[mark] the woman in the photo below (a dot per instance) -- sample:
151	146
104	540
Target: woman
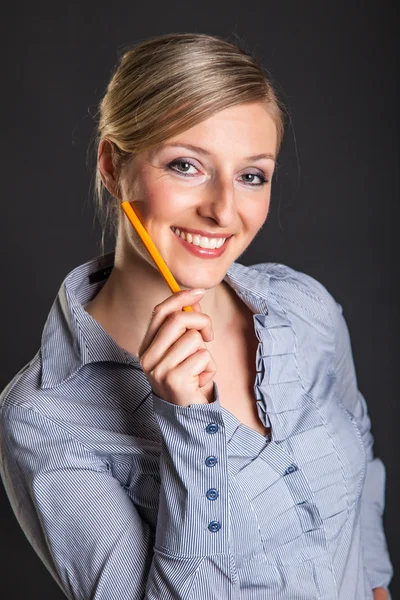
150	452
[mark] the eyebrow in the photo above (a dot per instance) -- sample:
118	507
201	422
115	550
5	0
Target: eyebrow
204	151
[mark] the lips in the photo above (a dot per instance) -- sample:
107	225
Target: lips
202	252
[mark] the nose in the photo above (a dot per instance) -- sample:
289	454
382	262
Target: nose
218	201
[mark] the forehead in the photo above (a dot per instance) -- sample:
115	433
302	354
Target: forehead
246	130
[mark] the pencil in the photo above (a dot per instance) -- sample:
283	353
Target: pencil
152	250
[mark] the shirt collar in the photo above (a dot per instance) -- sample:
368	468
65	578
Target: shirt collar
72	338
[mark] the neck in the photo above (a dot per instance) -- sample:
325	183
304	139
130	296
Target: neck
124	305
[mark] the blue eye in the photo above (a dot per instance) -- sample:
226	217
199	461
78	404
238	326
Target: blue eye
261	177
183	162
186	164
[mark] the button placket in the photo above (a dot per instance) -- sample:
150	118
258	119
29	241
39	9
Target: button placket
212	494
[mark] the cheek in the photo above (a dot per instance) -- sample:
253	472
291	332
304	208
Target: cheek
160	201
255	214
267	207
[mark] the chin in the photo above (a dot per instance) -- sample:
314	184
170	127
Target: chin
207	282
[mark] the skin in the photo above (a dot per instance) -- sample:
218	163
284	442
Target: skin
380	594
216	196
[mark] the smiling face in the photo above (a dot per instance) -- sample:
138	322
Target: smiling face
214	177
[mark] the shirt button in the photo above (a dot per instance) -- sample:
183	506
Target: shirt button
211	461
290	469
212	428
212	494
214	526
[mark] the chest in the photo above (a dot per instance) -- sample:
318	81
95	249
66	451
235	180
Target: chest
236	373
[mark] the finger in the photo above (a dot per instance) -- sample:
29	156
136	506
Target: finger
196	307
197	370
180	335
205	378
173	303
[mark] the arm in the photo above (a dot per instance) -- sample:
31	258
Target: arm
97	543
193	527
100	547
376	556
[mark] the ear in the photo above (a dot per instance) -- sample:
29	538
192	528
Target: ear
106	159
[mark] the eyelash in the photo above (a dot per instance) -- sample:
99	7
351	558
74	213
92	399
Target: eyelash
176	161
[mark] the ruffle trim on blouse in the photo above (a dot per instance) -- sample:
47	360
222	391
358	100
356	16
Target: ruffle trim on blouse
300	503
305	417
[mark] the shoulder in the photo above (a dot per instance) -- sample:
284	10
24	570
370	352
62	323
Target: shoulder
22	401
25	403
38	425
24	387
298	292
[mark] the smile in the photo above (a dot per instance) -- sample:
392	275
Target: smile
199	240
199	245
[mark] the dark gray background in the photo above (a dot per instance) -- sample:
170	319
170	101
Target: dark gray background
335	193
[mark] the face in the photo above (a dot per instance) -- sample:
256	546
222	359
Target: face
215	178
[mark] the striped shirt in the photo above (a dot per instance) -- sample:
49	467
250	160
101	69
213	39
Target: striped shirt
125	496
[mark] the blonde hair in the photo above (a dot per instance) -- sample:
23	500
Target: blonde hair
166	85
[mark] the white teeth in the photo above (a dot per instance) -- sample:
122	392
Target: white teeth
199	240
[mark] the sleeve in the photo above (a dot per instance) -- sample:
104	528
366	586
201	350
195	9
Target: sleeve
193	527
99	546
376	555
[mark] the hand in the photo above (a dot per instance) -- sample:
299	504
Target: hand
380	594
173	355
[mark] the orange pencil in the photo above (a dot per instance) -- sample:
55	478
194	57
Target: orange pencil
151	248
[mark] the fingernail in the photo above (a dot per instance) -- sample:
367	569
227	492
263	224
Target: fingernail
197	291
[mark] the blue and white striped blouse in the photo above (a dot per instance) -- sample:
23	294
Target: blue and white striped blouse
125	496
